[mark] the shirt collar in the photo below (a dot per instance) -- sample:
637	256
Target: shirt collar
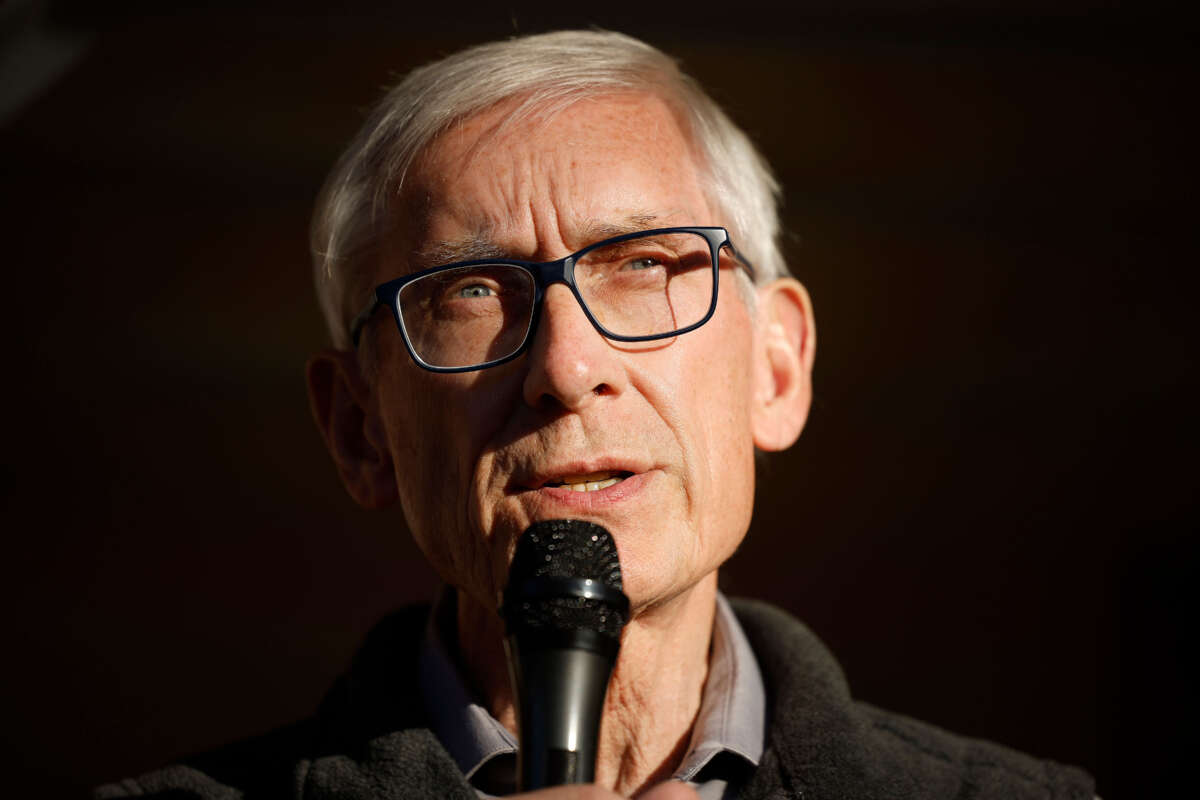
732	716
465	728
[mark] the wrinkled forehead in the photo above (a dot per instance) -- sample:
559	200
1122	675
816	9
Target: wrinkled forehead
485	169
550	122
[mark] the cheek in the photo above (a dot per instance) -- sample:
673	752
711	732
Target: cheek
424	470
724	409
438	447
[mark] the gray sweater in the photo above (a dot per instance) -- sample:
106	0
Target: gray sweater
370	739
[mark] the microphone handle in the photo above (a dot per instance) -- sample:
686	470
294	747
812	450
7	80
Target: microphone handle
560	696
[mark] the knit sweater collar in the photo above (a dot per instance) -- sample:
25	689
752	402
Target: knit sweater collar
821	744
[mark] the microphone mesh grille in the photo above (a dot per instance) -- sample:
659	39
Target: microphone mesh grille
566	548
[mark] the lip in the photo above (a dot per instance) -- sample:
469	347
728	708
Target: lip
560	497
535	480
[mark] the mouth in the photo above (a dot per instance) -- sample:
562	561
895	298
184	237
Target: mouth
592	482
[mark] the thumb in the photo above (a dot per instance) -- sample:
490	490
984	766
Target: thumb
671	790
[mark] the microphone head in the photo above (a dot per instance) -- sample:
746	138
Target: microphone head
566	578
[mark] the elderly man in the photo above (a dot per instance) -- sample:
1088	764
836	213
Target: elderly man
549	266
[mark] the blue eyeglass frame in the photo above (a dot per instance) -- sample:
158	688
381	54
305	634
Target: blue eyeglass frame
544	274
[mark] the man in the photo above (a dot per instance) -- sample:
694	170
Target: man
582	314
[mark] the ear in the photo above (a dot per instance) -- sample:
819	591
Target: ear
786	344
344	408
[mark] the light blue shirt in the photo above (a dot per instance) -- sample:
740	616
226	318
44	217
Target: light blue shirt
726	744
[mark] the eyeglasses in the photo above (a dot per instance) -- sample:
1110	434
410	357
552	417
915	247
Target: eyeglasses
638	287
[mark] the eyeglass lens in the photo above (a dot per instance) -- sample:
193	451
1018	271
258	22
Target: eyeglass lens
650	285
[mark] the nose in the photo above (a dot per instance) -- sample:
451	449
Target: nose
571	365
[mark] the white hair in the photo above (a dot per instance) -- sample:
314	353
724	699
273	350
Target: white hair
549	72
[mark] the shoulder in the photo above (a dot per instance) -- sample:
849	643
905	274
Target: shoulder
258	765
925	752
828	742
368	733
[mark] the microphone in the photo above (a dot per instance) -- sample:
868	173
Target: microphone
563	612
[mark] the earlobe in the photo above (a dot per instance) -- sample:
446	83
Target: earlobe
342	405
786	342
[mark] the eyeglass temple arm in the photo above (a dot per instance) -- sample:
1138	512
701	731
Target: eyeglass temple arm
741	259
361	319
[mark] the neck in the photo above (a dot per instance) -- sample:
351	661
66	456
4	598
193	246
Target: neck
653	697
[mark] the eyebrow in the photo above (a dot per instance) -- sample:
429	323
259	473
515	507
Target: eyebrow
595	230
479	245
472	247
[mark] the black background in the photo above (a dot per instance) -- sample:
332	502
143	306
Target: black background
989	516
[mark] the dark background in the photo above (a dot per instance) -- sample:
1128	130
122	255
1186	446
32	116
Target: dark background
989	517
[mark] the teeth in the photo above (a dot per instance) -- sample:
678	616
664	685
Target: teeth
590	483
595	476
592	486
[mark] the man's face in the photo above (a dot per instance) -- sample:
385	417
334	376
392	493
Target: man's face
479	456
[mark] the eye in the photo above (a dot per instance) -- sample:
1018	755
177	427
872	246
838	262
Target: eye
475	290
646	262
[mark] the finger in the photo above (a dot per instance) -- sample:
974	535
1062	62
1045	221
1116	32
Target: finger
577	791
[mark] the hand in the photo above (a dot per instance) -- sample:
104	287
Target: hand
668	790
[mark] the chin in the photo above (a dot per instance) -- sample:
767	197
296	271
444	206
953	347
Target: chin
653	590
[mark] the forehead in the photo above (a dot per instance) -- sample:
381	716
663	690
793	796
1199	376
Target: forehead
528	178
